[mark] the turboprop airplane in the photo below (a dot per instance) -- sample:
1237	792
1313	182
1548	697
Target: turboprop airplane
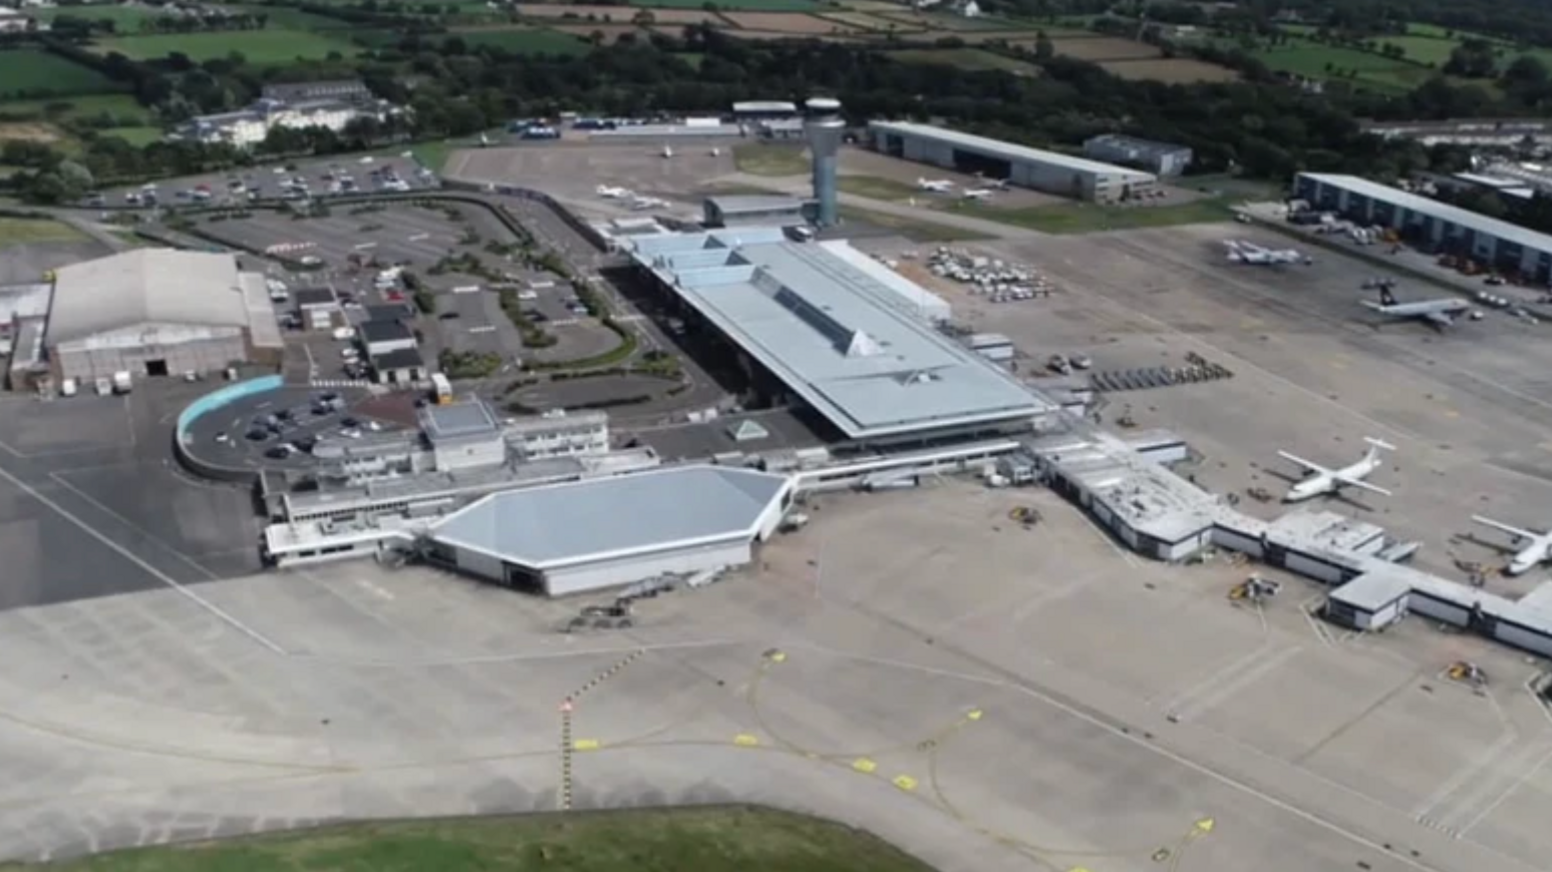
1536	550
1250	253
937	186
1330	481
1439	314
609	193
979	193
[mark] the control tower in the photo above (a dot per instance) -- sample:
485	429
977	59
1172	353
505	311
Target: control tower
824	126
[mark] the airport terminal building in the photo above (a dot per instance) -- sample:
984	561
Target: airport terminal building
1049	171
1430	224
833	332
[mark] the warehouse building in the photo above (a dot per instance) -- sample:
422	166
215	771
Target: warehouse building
155	312
835	337
581	536
1160	158
1049	171
753	209
1431	225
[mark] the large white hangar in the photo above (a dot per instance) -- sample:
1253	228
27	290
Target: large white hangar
824	327
1049	171
581	536
153	312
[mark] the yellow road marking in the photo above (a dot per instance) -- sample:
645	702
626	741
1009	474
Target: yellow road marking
745	740
905	782
778	656
974	714
1204	826
864	765
585	745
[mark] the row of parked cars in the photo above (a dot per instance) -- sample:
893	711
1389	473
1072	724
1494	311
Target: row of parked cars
282	426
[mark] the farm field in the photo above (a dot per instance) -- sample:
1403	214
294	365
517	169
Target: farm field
1422	49
1317	61
525	40
29	131
618	14
735	5
126	19
35	73
611	32
946	21
258	46
136	136
1170	71
970	59
284	17
861	20
795	24
1097	49
1092	218
702	839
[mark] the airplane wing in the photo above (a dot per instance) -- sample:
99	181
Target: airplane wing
1440	319
1496	525
1360	483
1312	467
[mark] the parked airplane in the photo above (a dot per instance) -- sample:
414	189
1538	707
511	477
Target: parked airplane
979	193
668	151
937	186
484	141
609	193
1536	550
1247	252
1330	481
1440	313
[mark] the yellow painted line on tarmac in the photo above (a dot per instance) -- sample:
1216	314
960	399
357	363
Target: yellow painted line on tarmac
1203	827
586	745
864	765
744	740
905	782
974	714
777	656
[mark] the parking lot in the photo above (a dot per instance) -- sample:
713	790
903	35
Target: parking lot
281	429
240	186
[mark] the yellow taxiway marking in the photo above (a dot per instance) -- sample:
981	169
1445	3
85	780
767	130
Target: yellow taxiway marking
1203	827
745	740
777	656
864	765
586	745
974	714
905	782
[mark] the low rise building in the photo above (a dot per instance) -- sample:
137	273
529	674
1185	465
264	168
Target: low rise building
251	125
559	434
753	209
1161	158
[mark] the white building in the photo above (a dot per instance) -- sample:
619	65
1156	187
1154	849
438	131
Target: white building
1049	171
155	312
248	127
559	434
463	435
582	536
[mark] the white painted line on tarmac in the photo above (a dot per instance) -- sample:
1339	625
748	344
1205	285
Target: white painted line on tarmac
159	575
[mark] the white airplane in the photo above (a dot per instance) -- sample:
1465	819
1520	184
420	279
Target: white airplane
668	151
1330	481
979	193
1250	253
937	186
1440	313
484	141
609	193
1536	550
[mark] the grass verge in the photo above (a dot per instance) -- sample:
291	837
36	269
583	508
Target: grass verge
723	839
913	229
758	159
1091	218
877	188
21	231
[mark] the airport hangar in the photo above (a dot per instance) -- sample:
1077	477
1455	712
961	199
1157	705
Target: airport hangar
1429	224
1049	171
157	311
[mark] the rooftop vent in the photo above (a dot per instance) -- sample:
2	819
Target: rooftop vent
863	345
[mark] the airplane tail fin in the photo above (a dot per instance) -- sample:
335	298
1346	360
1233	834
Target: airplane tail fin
1377	445
1386	297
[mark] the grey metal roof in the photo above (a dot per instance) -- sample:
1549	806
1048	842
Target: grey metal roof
399	358
577	522
384	331
732	204
1146	146
1442	211
148	285
1005	150
457	420
818	323
766	106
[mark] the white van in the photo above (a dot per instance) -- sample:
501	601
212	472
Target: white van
68	388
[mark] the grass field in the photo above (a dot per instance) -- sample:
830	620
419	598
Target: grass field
1423	49
21	231
1091	218
32	72
1170	71
523	40
910	228
969	59
121	106
877	188
758	159
126	19
258	46
678	840
136	136
1318	61
286	18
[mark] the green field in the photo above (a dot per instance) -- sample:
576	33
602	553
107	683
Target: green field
136	136
126	19
1319	61
22	231
523	40
1091	218
758	159
258	46
122	106
877	188
911	228
968	59
284	17
669	840
32	72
